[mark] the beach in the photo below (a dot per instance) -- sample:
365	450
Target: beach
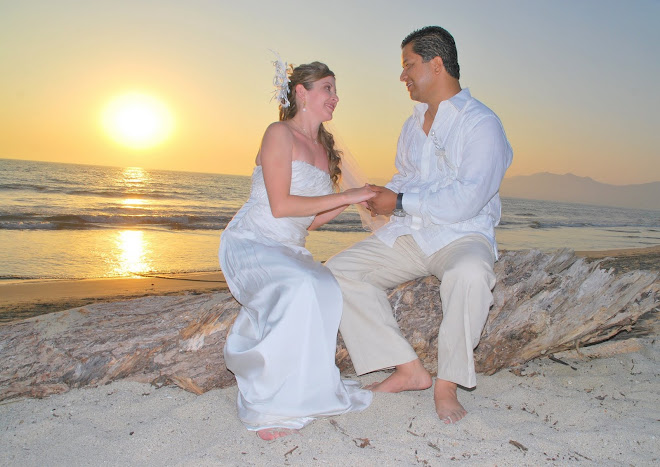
601	411
131	153
25	298
598	406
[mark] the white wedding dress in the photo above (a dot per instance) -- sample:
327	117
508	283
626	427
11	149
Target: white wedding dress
282	345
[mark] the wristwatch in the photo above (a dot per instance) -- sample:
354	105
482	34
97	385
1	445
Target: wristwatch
398	210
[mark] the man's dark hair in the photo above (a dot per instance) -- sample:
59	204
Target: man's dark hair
434	41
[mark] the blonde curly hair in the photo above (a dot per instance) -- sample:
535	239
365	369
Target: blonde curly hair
307	75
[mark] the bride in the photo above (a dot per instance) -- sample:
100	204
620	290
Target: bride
281	347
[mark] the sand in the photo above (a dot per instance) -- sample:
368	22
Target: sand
603	412
603	408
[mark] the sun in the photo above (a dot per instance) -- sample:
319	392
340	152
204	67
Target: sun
137	120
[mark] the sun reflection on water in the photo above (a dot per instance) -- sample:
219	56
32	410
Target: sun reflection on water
134	203
134	176
132	253
134	182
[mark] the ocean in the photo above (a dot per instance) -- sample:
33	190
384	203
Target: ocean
70	221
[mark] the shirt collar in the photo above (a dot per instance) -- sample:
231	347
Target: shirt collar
459	100
457	103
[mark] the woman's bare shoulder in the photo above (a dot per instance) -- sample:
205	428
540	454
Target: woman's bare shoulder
277	144
278	130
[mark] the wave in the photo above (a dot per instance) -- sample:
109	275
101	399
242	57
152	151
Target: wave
32	221
82	222
101	193
613	226
218	219
9	277
330	227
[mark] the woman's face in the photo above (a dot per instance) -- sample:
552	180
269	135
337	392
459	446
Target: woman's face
322	98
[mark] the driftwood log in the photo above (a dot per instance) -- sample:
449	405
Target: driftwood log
544	303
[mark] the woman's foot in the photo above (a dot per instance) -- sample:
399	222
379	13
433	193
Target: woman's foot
269	434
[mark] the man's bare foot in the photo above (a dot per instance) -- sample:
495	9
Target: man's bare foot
411	376
269	434
446	402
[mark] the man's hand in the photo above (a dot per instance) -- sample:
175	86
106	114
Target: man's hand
383	203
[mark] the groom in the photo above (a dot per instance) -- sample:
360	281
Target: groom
444	205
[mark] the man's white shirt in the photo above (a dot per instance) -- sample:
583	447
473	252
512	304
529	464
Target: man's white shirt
451	177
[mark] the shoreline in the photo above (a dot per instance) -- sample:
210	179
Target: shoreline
619	252
21	299
32	297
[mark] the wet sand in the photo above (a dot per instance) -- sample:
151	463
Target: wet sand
22	299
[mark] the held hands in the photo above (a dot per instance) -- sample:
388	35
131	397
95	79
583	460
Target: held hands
359	195
383	202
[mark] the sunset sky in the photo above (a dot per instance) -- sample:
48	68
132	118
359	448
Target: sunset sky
575	82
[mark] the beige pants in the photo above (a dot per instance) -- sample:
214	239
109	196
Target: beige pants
372	336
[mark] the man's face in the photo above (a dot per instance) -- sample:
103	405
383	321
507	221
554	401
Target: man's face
416	75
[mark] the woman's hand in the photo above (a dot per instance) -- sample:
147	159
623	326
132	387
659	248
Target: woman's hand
359	195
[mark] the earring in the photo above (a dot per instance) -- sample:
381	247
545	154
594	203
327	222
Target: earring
304	105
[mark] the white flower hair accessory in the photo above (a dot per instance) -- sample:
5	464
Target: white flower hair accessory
281	81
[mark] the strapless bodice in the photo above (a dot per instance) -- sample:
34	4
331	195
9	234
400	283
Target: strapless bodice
256	217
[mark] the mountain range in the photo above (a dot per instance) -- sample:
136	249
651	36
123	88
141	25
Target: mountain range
573	189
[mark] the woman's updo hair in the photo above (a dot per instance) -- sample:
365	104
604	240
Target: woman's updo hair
307	75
